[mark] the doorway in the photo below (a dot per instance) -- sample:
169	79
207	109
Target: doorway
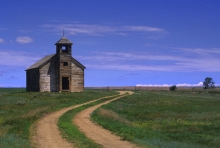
65	83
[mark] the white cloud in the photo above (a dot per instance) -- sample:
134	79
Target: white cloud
24	31
20	59
154	85
1	41
144	61
24	40
187	85
150	44
122	56
131	67
100	30
143	29
200	51
200	84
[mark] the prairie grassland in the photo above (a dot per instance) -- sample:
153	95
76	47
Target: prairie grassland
20	109
165	119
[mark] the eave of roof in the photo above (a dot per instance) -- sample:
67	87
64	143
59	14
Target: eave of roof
78	63
41	62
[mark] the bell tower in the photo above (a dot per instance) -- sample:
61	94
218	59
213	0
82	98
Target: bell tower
64	55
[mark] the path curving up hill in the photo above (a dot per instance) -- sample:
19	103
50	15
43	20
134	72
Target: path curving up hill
45	132
96	132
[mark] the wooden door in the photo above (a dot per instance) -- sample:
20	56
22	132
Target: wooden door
65	83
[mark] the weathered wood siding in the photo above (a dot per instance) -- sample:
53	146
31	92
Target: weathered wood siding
65	70
77	80
49	76
32	80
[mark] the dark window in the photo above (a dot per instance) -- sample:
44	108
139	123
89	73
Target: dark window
64	49
65	63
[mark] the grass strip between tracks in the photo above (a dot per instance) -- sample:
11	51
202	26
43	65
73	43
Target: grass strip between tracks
71	132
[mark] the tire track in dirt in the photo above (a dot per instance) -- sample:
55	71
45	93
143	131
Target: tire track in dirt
96	132
45	132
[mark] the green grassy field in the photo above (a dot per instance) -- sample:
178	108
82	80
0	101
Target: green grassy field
20	109
184	119
165	119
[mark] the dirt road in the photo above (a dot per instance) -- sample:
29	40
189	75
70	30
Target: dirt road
96	132
45	132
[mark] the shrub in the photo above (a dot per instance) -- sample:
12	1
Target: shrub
173	88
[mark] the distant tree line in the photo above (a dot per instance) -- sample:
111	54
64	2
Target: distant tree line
208	83
173	88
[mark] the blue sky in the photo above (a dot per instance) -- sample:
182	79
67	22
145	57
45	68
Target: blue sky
121	42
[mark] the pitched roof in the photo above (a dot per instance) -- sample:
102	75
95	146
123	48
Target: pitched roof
47	58
64	40
78	63
41	62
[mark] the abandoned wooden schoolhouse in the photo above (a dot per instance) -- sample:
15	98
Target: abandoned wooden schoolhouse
56	72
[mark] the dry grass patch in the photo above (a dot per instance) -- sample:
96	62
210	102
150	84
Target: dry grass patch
110	114
36	111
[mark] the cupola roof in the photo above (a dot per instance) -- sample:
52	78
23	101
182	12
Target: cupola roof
64	40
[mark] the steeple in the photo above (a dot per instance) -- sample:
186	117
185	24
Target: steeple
64	45
64	40
64	56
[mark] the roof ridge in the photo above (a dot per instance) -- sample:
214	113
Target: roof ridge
64	40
